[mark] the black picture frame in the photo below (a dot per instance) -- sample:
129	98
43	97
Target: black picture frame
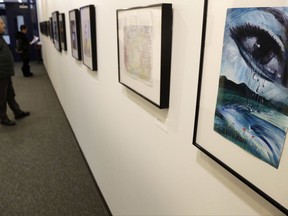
44	27
144	39
62	31
219	96
48	28
88	36
56	30
51	34
74	22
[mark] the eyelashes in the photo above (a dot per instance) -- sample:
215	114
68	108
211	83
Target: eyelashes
257	42
261	52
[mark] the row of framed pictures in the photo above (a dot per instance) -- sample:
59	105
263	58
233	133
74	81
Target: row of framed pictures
82	33
59	31
144	36
247	117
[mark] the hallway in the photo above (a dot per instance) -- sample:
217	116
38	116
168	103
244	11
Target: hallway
42	169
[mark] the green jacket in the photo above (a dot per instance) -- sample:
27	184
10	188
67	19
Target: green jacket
6	60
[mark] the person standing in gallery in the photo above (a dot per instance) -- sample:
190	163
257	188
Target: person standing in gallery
7	94
22	47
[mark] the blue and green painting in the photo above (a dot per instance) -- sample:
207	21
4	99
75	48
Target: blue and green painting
252	101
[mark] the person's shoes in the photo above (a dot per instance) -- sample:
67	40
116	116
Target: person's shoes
28	74
7	122
22	115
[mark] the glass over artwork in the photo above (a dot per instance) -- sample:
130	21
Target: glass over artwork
74	20
62	31
56	34
88	36
138	52
144	39
252	103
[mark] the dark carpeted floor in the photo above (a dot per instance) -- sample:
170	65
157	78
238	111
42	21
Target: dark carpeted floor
42	169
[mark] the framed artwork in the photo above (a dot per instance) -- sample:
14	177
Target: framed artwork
241	116
62	31
74	21
88	36
43	27
51	29
48	28
144	36
56	30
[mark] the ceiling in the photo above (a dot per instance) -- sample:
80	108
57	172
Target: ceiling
16	1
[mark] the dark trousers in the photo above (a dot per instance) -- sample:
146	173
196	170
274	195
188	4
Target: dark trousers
7	95
25	67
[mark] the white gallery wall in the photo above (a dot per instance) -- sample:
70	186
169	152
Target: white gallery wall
142	157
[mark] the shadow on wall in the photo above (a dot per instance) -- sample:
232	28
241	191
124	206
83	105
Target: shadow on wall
242	191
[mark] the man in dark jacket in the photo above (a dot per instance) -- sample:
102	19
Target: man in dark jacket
22	47
7	94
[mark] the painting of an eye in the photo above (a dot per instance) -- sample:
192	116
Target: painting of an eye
257	42
252	100
260	51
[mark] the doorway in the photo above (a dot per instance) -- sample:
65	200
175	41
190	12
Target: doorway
16	14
